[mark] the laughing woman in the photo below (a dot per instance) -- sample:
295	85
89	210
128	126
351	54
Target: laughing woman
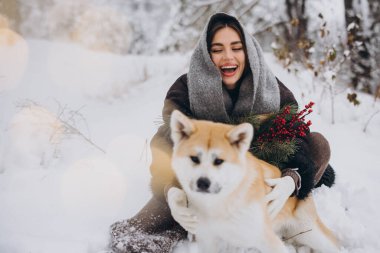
228	78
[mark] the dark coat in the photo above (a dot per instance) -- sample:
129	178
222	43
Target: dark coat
177	98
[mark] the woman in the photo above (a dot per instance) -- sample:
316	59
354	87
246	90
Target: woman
227	78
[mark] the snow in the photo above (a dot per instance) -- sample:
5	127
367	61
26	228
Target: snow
61	189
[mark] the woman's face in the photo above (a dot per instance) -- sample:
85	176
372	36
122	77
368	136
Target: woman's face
227	54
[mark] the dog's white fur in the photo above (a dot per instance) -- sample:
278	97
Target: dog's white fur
230	206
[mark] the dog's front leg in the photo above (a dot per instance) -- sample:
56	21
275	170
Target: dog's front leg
271	243
207	244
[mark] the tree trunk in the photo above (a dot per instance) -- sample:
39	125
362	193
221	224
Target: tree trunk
374	7
358	45
297	32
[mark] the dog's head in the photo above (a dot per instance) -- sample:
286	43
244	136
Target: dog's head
209	158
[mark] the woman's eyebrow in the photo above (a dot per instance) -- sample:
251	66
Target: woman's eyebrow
221	44
216	44
236	42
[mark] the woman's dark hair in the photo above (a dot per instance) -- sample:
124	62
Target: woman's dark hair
220	21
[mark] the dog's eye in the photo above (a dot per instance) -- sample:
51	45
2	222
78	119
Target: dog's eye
195	159
218	161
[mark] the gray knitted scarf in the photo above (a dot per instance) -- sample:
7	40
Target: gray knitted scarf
209	100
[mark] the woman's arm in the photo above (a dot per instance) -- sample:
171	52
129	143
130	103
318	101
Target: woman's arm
301	166
177	98
161	144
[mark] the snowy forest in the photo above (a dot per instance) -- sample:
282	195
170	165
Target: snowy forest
82	86
337	36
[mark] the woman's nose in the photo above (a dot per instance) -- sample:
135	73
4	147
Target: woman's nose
228	54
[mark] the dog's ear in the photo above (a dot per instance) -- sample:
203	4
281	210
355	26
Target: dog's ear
241	136
181	126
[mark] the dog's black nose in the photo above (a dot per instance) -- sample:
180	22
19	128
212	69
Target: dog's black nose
203	183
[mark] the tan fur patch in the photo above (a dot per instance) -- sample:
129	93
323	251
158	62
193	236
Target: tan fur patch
208	135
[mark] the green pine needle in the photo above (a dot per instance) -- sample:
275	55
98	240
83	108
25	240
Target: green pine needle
276	152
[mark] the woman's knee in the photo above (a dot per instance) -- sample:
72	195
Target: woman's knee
320	153
319	147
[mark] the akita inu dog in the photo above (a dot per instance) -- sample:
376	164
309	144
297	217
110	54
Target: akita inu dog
225	189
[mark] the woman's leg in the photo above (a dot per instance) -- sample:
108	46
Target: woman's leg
152	230
320	153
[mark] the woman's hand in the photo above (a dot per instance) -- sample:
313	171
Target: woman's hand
185	217
282	189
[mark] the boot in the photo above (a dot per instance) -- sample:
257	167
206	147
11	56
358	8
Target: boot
328	177
152	230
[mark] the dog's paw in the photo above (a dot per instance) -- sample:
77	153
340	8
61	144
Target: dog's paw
177	197
282	189
185	217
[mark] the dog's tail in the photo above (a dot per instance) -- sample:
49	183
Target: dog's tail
328	177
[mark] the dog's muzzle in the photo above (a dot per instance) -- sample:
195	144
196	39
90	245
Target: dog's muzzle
204	185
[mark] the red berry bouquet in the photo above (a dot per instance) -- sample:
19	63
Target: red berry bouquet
275	136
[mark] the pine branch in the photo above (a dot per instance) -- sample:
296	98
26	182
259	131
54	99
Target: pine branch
275	134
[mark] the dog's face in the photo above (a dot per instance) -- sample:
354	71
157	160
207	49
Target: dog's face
209	158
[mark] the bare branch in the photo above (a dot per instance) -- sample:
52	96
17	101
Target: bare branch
248	8
267	28
74	130
195	18
286	239
69	128
144	152
369	120
332	97
69	123
206	2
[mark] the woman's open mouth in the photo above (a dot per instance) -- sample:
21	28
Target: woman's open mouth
229	70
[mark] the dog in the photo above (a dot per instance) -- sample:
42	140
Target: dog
225	189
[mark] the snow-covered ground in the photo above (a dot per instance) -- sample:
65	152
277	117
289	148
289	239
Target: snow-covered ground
75	127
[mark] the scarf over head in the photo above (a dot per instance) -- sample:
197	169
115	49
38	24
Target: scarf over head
259	92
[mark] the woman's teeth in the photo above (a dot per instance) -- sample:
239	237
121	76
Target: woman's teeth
228	69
